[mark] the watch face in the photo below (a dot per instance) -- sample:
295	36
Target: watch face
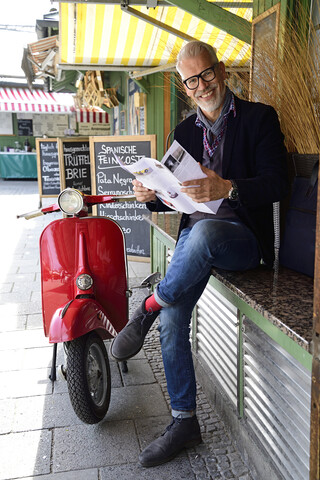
233	194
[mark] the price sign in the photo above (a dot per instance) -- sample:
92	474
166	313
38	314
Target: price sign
108	178
74	156
48	167
25	127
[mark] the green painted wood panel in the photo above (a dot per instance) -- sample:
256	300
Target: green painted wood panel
155	112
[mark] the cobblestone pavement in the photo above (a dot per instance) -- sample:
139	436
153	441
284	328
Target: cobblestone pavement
216	458
40	436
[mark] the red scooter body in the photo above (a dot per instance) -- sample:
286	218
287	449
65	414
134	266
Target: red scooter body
84	296
73	246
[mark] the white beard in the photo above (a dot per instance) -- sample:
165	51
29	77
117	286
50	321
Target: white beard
215	104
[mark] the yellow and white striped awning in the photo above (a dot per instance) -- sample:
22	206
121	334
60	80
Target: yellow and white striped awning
104	35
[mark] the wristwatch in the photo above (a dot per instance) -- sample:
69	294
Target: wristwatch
233	192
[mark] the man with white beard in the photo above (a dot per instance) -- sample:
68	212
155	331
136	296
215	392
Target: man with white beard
240	147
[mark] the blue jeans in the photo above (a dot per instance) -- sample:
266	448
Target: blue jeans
209	243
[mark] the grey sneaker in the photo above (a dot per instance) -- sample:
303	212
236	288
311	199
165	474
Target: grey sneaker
180	434
129	341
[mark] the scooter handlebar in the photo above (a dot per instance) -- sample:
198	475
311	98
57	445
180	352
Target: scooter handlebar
27	216
88	200
38	213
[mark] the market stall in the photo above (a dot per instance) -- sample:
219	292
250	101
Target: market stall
18	165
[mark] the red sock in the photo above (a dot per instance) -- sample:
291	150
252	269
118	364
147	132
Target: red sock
151	304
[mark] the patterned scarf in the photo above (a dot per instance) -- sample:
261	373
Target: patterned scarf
215	130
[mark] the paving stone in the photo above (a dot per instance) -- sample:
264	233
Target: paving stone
45	411
88	446
198	464
31	413
203	476
6	287
12	323
28	269
9	270
60	385
234	457
8	310
17	256
19	287
177	469
11	360
139	269
21	278
34	321
212	469
25	383
92	474
32	260
136	402
25	454
6	415
62	411
30	252
15	297
239	469
139	372
219	451
22	339
37	357
228	475
35	296
116	379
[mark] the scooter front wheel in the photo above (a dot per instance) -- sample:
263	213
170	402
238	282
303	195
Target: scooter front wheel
88	377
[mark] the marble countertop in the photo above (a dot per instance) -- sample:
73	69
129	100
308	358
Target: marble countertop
282	296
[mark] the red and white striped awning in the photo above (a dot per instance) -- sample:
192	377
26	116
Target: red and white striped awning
35	101
86	116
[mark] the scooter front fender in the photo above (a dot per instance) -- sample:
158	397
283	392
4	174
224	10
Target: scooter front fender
80	317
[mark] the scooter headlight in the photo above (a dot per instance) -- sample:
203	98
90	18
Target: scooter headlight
70	201
84	281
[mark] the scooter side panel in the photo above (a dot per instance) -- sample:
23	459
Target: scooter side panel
59	255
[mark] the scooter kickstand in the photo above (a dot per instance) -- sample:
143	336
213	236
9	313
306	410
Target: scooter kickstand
124	366
53	373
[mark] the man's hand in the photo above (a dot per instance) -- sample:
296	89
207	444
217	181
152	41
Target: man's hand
213	187
142	193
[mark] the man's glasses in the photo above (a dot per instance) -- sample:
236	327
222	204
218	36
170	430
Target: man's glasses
207	75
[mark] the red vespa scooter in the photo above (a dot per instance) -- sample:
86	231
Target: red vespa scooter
84	295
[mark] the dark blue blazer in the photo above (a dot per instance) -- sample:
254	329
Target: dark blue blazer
255	157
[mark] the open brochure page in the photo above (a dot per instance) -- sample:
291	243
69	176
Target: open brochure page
166	177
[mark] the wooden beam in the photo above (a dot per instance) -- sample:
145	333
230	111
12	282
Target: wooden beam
157	23
315	385
209	12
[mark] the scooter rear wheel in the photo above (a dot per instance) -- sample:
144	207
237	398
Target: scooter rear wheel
88	377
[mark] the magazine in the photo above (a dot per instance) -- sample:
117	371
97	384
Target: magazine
166	178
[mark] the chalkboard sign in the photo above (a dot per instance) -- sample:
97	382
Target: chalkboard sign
25	127
74	159
108	178
48	167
